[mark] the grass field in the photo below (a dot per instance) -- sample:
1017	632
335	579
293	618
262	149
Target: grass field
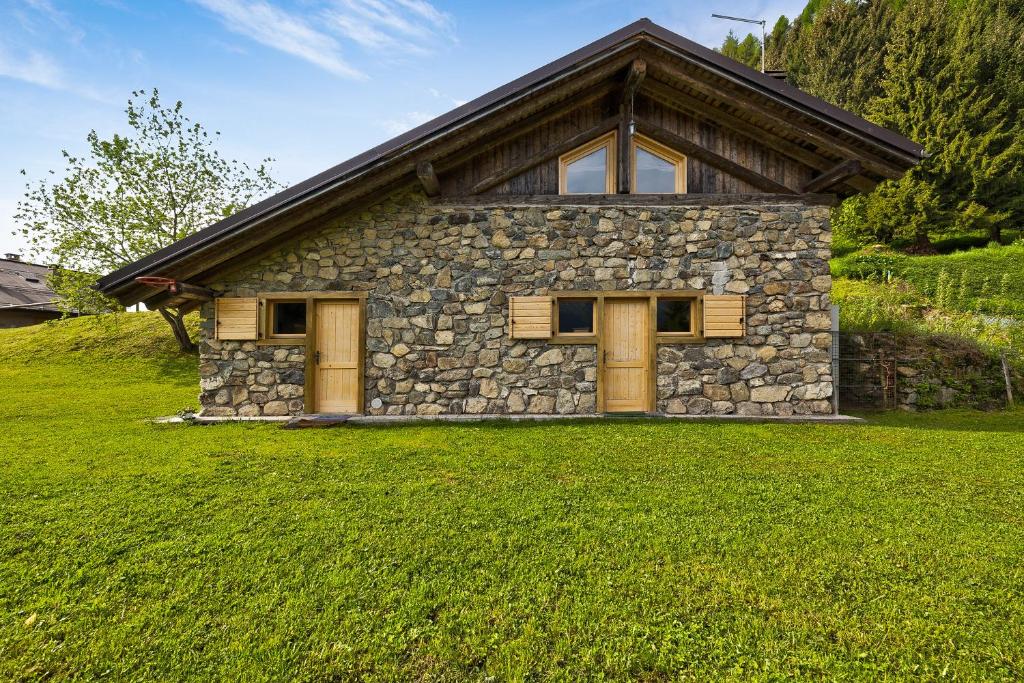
617	550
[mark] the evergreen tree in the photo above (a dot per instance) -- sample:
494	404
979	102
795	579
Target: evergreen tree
746	51
934	92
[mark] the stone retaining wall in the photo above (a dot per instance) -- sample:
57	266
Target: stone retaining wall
438	280
884	370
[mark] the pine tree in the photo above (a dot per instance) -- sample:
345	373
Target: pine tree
932	93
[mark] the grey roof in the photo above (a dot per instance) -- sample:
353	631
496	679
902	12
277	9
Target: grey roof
357	166
23	284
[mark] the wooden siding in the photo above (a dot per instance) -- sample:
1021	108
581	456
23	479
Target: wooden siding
701	177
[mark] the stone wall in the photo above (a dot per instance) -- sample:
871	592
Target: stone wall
438	280
911	371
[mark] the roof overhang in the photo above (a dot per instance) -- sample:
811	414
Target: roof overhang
396	159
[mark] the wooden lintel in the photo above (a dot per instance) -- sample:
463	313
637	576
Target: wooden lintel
428	178
550	153
669	201
681	144
634	77
828	141
839	173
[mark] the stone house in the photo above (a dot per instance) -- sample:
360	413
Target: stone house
639	226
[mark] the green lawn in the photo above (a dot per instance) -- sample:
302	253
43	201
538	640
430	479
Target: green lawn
619	550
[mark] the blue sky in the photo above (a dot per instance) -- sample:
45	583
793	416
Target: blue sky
307	82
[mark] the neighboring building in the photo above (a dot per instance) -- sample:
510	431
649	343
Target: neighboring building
639	226
25	298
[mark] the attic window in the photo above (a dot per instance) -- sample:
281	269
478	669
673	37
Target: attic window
589	169
656	168
31	279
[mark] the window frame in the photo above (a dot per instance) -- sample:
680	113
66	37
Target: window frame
555	318
661	151
676	337
271	315
610	142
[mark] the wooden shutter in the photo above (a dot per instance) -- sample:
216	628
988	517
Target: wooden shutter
236	318
530	317
725	315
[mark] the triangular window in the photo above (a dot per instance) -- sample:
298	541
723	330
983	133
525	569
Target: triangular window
589	169
656	168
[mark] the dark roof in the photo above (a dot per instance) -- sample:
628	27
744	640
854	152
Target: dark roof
23	284
639	30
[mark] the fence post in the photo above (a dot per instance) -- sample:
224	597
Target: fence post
1006	378
835	359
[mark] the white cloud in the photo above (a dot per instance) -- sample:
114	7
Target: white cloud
282	31
36	68
406	122
40	69
317	35
56	17
409	26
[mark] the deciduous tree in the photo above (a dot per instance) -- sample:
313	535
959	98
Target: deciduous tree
130	195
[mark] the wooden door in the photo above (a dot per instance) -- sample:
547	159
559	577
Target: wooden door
338	357
626	355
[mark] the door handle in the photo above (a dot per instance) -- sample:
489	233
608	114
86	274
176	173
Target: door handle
316	357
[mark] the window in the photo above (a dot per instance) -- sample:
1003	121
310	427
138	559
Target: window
576	316
287	318
656	168
589	169
675	316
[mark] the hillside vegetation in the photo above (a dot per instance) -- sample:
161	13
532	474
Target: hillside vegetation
552	551
987	280
122	336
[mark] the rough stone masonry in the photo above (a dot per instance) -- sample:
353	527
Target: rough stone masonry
438	280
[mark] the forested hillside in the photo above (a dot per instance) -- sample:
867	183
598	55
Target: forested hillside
949	74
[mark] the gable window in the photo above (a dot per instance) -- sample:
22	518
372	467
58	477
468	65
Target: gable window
656	168
575	316
286	319
675	316
589	169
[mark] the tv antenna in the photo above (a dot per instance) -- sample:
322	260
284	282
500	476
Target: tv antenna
749	21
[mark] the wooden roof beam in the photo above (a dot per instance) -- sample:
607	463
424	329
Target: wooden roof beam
525	125
178	289
681	144
428	178
872	163
634	77
545	155
687	104
840	173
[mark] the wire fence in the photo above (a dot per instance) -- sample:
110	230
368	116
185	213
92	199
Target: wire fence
883	371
